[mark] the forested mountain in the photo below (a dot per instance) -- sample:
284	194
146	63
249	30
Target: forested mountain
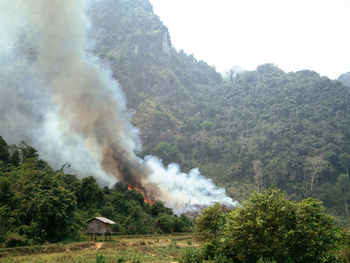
247	132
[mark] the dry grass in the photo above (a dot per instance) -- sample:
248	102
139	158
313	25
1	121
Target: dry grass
155	248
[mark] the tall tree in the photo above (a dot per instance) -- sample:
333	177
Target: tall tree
315	165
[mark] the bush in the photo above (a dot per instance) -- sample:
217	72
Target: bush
15	240
269	227
191	255
209	225
221	258
100	258
331	258
121	260
264	260
209	250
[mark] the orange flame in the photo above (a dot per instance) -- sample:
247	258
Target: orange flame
133	187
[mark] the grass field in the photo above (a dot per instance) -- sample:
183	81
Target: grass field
150	248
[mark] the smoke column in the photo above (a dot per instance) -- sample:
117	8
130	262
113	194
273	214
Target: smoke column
57	95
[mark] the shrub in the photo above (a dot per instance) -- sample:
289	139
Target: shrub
191	255
209	250
269	227
100	258
121	260
210	224
331	258
264	260
15	240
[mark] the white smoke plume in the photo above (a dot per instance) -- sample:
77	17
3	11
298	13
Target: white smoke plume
56	95
185	192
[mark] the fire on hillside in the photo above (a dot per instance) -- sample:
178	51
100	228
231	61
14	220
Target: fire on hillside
146	200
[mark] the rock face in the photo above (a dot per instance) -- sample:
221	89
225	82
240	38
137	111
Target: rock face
155	77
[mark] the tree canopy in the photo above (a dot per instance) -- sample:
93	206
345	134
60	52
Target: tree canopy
39	204
268	226
247	132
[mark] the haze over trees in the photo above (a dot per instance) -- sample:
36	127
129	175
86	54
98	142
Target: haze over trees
345	79
247	132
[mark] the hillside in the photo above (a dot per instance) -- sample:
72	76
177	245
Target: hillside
247	131
264	127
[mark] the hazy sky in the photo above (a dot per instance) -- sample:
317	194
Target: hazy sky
293	34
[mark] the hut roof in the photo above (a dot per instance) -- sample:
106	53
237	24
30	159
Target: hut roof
102	219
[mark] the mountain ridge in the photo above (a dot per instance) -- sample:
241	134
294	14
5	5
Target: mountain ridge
265	122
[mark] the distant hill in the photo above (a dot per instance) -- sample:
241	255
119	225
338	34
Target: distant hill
345	79
234	70
264	127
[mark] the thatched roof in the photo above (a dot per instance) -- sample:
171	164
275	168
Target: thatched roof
103	220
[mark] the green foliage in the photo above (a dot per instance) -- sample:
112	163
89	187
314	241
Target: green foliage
182	224
89	194
15	240
264	260
315	234
38	204
208	125
4	153
281	122
331	258
165	223
191	255
121	260
167	152
209	224
261	227
100	258
268	226
264	127
158	207
210	250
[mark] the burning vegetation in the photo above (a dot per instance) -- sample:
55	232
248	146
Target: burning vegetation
83	111
143	192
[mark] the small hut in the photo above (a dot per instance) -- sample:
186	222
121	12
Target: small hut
99	226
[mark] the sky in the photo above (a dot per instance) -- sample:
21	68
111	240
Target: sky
292	34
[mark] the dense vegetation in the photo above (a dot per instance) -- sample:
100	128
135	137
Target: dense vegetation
269	228
39	204
246	132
